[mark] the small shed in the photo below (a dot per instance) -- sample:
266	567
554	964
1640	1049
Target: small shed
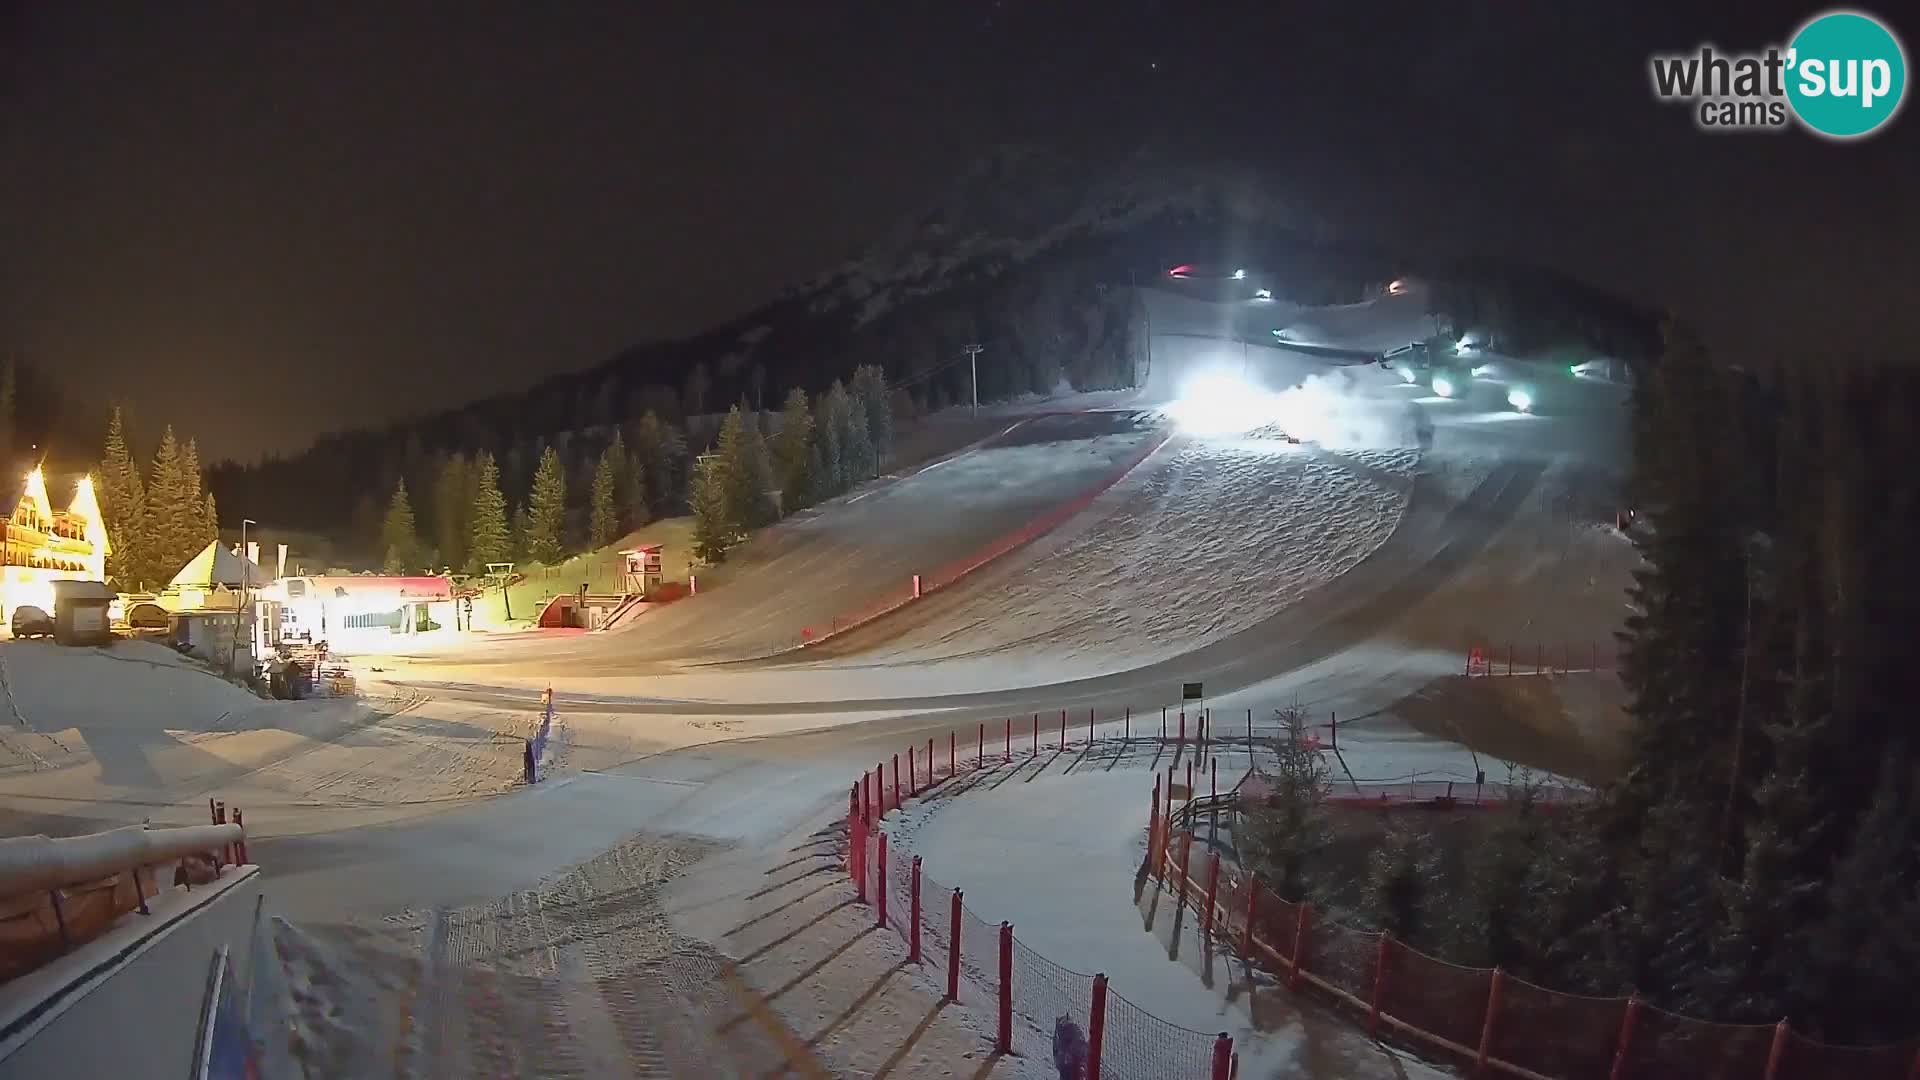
643	569
80	612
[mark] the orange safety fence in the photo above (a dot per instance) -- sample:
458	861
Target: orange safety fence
1540	657
1518	1028
1024	992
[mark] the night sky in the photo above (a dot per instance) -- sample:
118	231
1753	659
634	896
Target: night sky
335	214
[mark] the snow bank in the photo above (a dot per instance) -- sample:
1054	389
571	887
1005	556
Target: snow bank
51	687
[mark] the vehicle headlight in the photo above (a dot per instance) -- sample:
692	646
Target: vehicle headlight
1408	375
1443	386
1519	398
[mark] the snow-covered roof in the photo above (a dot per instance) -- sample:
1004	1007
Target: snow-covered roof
215	565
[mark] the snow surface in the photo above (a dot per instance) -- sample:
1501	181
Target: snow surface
1223	535
1058	857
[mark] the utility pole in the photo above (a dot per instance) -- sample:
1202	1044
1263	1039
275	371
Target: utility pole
973	362
244	616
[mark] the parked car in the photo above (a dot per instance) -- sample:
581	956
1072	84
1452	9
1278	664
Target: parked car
146	616
31	622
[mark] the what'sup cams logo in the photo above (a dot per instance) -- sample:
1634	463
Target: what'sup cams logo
1843	75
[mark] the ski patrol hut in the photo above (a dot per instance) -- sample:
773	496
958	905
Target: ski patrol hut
643	569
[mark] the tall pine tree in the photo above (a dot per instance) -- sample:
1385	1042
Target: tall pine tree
870	391
546	510
453	496
488	539
123	501
793	452
603	519
399	542
748	473
170	524
713	529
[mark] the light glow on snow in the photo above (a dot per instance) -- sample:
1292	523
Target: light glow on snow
1520	399
1221	403
1443	386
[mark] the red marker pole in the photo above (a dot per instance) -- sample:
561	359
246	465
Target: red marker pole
981	751
896	781
953	754
953	949
880	888
1089	726
1096	1026
913	775
913	944
1063	729
1009	738
1003	1043
1036	733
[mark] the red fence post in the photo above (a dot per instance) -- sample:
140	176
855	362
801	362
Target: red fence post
913	775
1223	1057
1213	893
880	789
1213	779
929	762
913	944
953	754
1096	1026
980	759
1302	915
896	781
1379	982
1153	824
857	855
953	949
1253	910
1249	730
1189	779
1163	723
1009	738
1089	725
1627	1021
1063	729
1183	727
1486	1026
1036	734
880	886
1003	1041
1778	1051
1126	731
1186	861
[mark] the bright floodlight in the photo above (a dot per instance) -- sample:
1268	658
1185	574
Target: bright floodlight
1442	386
1219	403
1239	275
1482	370
1520	399
1263	294
1408	375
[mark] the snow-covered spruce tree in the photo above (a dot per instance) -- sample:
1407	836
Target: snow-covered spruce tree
1288	834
